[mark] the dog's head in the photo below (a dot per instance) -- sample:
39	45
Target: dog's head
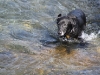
66	25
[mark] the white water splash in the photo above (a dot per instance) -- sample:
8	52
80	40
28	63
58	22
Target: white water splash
89	37
98	32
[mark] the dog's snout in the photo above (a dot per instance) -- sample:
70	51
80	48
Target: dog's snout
60	33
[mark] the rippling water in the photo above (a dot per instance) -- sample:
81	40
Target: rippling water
29	44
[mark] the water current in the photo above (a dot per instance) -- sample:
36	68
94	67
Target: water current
29	43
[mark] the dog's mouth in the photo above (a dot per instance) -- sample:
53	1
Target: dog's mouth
61	36
65	36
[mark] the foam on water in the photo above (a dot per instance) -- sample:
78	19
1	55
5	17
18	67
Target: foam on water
89	37
98	32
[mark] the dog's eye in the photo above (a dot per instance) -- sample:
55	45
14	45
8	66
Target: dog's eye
64	25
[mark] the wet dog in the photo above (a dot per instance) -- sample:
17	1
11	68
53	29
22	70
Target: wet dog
71	25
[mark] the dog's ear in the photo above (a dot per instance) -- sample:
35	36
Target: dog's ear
58	18
59	15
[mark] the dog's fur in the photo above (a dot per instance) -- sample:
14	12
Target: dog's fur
71	25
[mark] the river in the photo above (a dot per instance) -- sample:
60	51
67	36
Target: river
29	44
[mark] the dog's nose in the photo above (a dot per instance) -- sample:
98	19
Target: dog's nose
60	33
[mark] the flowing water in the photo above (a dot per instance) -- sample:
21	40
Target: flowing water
29	44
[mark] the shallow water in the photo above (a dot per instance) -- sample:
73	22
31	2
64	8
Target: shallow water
29	44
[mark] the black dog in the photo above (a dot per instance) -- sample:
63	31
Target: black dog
72	25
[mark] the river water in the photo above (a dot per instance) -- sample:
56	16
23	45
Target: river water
29	44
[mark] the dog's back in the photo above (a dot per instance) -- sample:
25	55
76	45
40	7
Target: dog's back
79	14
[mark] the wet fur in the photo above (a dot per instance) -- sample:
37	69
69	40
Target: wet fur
72	24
